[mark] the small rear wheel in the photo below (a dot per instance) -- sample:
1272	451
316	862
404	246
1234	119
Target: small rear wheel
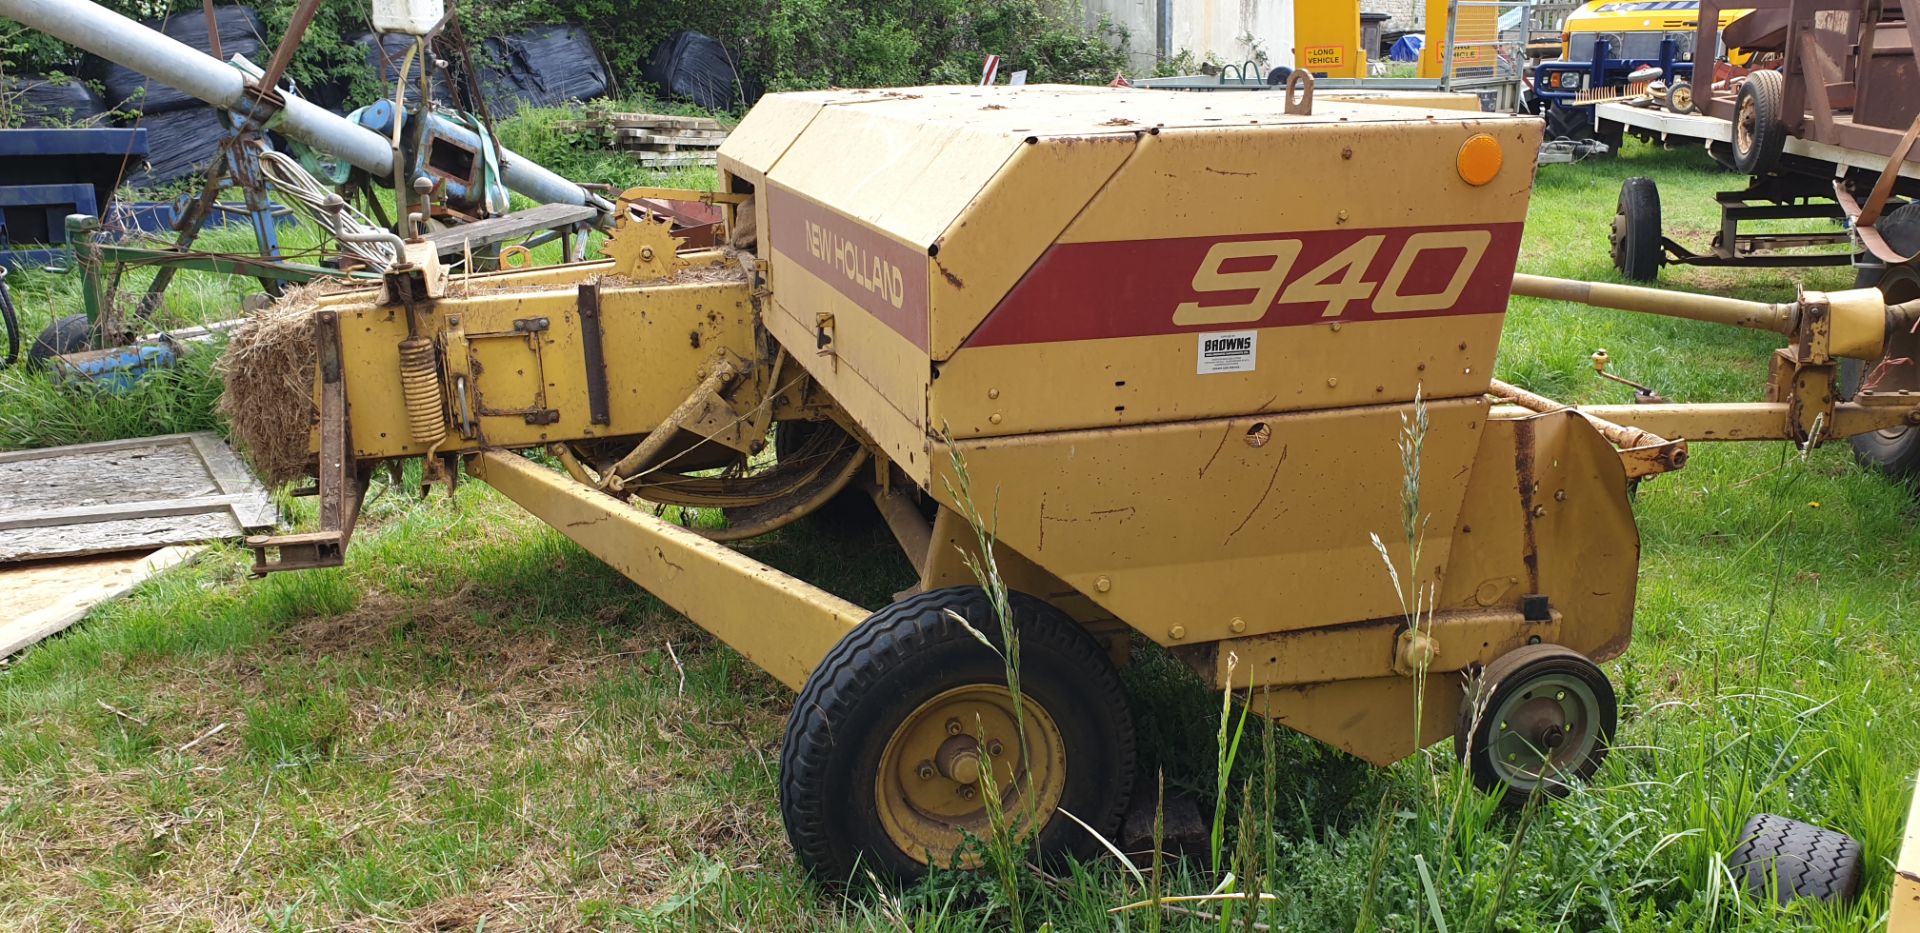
1759	132
1680	97
1893	451
1635	237
907	725
1787	859
1541	719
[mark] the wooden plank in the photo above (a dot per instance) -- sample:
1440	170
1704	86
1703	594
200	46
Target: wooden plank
136	494
45	597
454	240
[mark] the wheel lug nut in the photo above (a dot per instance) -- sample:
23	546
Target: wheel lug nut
993	748
953	727
967	792
925	771
1503	727
1512	756
1560	695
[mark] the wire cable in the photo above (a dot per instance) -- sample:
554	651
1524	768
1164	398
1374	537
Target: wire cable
292	182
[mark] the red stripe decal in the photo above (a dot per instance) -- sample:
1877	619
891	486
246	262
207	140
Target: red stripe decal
1138	288
881	274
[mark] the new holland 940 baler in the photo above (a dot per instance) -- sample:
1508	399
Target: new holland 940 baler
1171	341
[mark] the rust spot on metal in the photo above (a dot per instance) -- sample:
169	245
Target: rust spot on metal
1523	464
952	279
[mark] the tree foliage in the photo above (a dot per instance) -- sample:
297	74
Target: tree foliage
782	44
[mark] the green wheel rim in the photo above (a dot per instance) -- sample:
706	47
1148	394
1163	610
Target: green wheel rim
1547	727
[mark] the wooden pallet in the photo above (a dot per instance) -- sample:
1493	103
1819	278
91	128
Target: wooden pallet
655	140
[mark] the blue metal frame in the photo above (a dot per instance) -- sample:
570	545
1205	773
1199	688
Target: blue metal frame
57	201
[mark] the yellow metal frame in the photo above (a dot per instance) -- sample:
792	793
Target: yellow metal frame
1905	914
783	625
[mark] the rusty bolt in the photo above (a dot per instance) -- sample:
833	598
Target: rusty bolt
1346	152
1560	496
953	727
1177	632
925	771
1539	511
1103	584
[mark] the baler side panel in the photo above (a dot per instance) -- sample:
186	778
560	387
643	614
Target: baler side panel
1264	520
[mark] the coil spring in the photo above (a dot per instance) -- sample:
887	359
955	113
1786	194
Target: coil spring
420	387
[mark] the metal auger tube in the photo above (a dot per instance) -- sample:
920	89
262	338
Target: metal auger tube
160	57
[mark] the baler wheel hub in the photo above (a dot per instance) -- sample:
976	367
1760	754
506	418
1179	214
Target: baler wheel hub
1542	717
1028	778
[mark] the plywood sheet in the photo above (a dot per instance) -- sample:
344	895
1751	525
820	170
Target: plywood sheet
127	495
44	597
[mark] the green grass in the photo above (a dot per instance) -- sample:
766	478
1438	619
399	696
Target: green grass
477	721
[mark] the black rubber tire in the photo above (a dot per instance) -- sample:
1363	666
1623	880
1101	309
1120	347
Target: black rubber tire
70	334
1756	150
904	655
1635	236
1895	453
1473	731
1805	860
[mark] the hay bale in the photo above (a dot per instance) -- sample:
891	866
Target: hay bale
268	369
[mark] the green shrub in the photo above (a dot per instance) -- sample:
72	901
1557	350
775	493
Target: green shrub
782	44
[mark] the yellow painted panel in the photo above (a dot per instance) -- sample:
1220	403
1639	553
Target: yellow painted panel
1326	39
1198	523
752	148
1183	183
876	374
908	178
1142	380
1005	228
649	335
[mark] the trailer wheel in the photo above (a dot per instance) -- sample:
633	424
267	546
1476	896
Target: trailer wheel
1787	859
1758	130
1542	717
1894	451
70	334
1636	230
881	769
1680	98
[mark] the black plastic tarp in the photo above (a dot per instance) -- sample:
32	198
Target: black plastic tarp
179	143
240	34
695	67
385	54
38	100
540	67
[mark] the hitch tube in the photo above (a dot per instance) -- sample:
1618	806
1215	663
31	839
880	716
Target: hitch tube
1779	318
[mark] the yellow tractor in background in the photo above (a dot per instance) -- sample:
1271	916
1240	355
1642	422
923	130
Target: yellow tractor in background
1170	343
